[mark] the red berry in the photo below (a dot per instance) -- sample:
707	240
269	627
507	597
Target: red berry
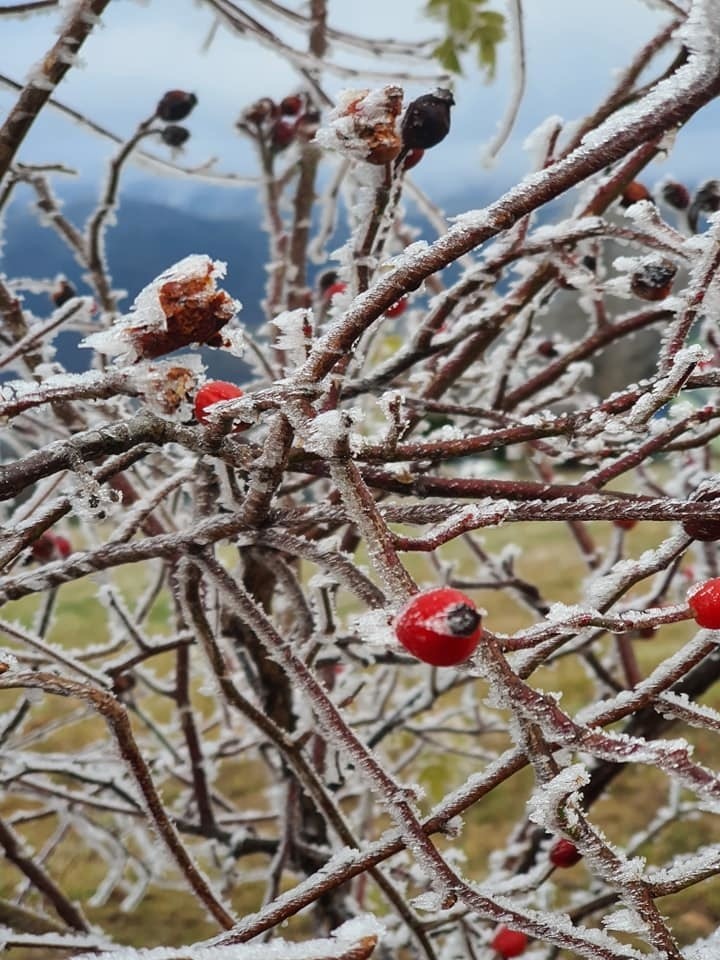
212	392
440	626
282	134
546	348
292	105
49	546
63	546
337	287
398	308
175	105
564	853
704	602
509	943
633	193
624	524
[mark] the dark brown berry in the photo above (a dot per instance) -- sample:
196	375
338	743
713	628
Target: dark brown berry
174	135
546	348
706	200
427	120
654	280
676	195
701	529
175	105
62	293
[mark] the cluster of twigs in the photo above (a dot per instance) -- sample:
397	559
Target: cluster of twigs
240	571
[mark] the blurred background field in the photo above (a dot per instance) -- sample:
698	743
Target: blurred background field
546	556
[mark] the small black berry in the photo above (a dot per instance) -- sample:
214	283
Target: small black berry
175	105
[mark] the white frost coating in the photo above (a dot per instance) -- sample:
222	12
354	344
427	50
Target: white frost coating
537	141
8	660
329	429
707	948
704	46
336	946
562	792
356	114
626	921
293	335
374	627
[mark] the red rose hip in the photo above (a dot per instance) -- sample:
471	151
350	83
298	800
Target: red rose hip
440	626
704	603
398	308
564	853
213	392
509	943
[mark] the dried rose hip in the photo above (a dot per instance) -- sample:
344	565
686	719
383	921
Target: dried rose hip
653	281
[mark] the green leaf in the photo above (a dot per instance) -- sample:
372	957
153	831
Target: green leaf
468	26
460	16
447	54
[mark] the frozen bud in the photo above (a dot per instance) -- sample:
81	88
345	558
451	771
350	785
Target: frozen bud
427	120
175	105
63	292
634	192
292	105
364	125
706	200
174	135
654	280
676	195
180	307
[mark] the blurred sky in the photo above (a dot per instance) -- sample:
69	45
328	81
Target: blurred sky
574	49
